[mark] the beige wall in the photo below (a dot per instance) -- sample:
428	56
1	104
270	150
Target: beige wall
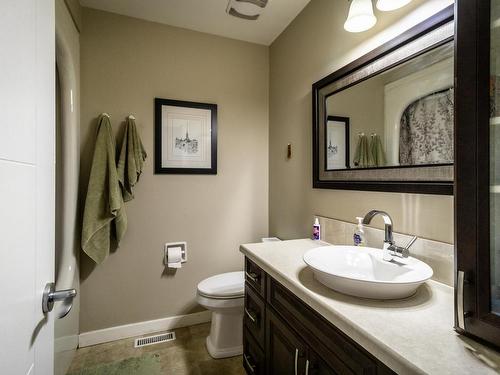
364	105
314	45
125	64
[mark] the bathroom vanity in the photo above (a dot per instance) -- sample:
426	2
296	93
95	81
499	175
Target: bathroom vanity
293	337
295	325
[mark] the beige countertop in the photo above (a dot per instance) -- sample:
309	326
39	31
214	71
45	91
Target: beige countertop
411	336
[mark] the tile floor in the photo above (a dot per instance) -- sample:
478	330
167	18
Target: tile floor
185	355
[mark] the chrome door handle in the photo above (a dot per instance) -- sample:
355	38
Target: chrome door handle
252	276
247	361
296	360
307	367
251	316
51	295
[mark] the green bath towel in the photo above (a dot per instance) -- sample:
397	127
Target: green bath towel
132	157
104	215
362	155
377	151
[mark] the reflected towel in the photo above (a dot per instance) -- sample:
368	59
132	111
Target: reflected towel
104	209
377	151
132	157
362	155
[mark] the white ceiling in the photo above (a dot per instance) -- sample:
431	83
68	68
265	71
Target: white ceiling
208	16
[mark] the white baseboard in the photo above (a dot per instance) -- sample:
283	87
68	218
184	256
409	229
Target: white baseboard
137	329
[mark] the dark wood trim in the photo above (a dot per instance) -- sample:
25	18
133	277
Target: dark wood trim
472	169
158	103
402	167
424	187
420	187
432	23
346	122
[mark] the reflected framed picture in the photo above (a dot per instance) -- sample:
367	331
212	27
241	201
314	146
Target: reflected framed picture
185	137
337	143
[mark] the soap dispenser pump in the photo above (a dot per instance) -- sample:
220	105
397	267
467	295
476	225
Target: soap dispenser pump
359	233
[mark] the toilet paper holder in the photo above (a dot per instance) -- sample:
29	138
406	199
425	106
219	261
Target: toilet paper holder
170	245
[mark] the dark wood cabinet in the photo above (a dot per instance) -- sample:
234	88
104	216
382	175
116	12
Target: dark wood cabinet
254	360
285	351
283	335
477	169
254	315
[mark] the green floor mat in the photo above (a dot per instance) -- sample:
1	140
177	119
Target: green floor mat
148	364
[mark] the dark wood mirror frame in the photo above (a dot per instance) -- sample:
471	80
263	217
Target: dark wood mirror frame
407	186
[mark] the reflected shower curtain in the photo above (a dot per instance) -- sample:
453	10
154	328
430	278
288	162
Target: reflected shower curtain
426	130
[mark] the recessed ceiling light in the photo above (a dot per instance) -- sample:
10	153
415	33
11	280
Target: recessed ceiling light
361	17
388	5
246	9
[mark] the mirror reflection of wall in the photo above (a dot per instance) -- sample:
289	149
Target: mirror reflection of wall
401	117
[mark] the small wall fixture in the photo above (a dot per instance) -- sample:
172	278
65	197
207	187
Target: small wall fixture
361	17
246	9
388	5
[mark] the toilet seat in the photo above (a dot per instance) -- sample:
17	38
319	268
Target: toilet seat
230	285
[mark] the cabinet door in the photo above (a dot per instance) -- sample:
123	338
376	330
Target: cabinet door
285	352
477	158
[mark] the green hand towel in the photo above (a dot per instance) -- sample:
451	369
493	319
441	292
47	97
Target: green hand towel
377	151
104	209
132	157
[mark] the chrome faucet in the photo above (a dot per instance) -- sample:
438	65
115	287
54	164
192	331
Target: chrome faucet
390	248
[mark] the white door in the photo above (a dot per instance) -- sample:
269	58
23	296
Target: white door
26	184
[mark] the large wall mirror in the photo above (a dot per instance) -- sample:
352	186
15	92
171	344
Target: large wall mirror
386	121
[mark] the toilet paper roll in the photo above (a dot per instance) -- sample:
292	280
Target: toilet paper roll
174	257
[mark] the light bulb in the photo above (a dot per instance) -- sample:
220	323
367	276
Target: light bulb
360	16
388	5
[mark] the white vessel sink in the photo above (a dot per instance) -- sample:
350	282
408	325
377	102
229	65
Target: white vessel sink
361	272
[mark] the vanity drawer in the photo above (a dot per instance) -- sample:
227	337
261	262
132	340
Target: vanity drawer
254	315
254	360
255	277
340	352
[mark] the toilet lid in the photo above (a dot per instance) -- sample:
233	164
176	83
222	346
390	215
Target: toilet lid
225	285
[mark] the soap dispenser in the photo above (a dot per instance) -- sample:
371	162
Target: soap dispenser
316	230
359	233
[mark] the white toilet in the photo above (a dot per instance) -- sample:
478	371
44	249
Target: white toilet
224	295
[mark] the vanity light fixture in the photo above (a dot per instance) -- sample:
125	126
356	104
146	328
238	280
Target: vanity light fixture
388	5
361	17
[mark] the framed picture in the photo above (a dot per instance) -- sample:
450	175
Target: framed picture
337	143
185	137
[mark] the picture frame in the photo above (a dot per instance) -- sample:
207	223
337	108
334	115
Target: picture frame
185	137
337	143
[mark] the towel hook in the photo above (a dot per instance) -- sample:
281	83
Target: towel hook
105	115
132	117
